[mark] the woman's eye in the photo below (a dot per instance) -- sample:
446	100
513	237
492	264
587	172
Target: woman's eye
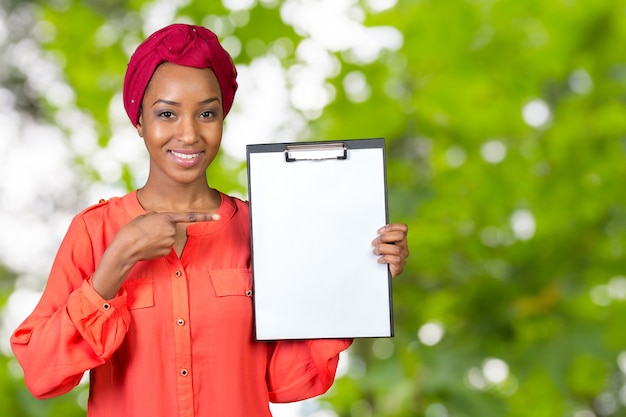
166	114
207	114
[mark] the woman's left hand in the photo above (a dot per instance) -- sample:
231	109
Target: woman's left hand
392	247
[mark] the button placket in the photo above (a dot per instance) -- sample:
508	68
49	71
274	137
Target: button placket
182	335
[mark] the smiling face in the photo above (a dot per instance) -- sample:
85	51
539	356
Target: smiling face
181	122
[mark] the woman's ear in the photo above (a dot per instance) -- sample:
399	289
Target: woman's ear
139	126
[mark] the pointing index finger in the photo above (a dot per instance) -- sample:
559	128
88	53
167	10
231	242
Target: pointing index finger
192	217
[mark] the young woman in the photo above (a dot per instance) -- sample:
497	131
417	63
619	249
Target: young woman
151	292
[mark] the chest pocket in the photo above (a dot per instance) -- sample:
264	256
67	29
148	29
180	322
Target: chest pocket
232	282
139	293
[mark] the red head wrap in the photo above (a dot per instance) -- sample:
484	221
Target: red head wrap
182	44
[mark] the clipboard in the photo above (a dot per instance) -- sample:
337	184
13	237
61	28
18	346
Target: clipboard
315	208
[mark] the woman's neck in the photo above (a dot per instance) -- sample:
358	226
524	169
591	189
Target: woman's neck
182	198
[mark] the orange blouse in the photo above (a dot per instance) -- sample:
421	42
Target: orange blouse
178	339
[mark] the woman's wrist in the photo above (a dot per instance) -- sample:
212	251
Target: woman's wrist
112	270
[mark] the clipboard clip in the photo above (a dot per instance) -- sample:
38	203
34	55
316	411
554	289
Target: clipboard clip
316	152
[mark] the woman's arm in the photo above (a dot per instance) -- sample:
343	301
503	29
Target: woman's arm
298	370
72	329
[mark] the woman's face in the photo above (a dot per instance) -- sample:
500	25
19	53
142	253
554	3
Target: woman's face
181	122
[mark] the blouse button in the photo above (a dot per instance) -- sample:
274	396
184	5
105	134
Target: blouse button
178	274
106	306
180	322
184	372
248	293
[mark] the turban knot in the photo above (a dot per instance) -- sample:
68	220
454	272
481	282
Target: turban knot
182	44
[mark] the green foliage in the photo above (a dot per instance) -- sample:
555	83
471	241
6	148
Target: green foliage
18	402
549	305
469	68
91	67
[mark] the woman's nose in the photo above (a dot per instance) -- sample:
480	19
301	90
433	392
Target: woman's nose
187	130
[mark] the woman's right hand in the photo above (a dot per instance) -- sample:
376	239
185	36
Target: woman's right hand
146	237
153	235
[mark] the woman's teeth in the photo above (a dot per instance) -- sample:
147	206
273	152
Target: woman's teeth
185	155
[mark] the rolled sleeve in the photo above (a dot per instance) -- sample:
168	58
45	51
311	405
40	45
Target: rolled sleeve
102	323
303	369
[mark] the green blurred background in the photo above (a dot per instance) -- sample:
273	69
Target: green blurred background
505	127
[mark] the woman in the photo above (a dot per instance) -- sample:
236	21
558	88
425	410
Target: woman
151	292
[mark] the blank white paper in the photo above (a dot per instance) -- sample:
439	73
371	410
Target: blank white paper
313	222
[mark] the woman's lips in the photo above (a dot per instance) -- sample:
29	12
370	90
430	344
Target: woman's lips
186	158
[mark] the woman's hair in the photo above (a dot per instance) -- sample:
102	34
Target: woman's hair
182	44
